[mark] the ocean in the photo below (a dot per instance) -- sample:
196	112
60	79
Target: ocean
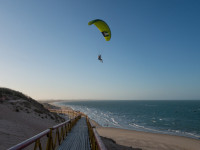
174	117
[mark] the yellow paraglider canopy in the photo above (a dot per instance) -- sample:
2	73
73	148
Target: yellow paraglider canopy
103	27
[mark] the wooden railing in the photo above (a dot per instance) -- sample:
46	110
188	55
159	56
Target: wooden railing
95	140
70	113
54	135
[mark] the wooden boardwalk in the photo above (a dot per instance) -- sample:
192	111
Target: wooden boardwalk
78	137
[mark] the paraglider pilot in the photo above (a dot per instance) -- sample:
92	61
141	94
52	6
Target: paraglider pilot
99	58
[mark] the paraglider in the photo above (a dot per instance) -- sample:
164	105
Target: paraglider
104	29
99	58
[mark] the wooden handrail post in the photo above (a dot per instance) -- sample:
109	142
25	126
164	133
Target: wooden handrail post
49	145
37	144
95	140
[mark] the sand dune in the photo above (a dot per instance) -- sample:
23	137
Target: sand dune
21	118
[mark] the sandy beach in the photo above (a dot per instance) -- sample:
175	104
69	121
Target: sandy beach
146	140
149	141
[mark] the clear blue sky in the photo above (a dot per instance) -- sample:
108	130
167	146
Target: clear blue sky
48	51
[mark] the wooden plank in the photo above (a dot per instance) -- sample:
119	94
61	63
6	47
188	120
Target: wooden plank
78	138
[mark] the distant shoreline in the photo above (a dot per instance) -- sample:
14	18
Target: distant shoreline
78	100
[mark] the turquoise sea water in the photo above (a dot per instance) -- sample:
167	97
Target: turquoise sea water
168	117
